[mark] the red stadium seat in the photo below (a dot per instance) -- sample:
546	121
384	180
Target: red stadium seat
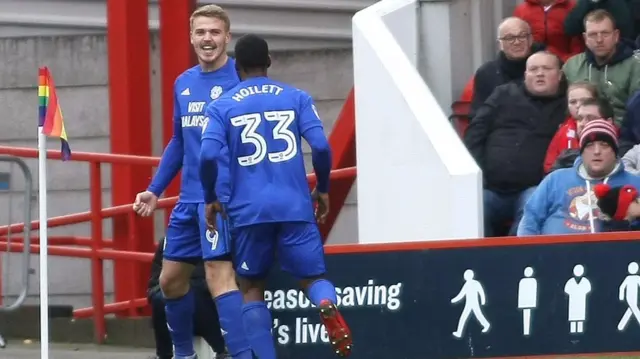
460	116
461	109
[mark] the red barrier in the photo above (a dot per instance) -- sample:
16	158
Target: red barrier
130	129
176	55
98	248
343	144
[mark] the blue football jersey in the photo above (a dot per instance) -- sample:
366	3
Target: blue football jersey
261	121
193	91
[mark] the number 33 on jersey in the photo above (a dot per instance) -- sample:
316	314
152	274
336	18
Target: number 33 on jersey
261	122
250	125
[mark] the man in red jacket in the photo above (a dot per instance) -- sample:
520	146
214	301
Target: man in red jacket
546	18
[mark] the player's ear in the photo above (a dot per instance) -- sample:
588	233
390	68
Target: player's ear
268	61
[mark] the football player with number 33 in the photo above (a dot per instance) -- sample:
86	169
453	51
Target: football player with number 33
261	122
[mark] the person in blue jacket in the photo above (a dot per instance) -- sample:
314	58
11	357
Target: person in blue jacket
565	201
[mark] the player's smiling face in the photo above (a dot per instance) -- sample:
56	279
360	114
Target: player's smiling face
209	37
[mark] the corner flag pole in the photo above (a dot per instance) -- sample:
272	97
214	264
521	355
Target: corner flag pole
44	244
50	123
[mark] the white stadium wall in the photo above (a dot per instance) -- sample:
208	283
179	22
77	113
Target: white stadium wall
416	180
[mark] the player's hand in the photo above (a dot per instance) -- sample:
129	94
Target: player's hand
145	203
211	212
322	207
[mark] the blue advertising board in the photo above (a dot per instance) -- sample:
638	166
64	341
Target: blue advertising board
463	302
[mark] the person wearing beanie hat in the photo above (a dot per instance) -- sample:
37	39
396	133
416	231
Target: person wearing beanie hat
566	201
589	110
601	131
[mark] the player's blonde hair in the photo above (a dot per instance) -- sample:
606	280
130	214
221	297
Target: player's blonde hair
213	11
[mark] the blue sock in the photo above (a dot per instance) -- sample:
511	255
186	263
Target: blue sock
320	290
257	323
180	321
230	311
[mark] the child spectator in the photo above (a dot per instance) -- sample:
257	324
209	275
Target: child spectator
567	136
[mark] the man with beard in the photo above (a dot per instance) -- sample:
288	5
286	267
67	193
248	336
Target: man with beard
516	45
187	237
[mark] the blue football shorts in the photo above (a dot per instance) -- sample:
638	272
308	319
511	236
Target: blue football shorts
188	238
298	246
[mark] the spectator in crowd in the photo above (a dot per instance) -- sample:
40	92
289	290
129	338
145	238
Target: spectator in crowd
566	138
546	19
630	136
510	135
205	317
608	63
565	202
620	11
631	160
516	44
634	8
630	128
591	109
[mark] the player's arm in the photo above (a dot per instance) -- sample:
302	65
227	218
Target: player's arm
172	157
310	127
170	164
213	141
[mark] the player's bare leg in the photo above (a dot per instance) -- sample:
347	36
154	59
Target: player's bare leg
337	328
252	290
221	280
174	278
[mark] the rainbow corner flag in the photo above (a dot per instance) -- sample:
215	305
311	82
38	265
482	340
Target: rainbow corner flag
50	113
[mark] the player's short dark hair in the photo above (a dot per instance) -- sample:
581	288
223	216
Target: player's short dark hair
252	52
604	107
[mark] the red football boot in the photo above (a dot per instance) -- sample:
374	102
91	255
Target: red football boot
339	333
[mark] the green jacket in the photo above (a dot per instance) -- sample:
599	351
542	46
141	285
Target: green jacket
574	22
616	81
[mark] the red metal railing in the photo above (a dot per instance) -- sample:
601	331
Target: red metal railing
100	248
